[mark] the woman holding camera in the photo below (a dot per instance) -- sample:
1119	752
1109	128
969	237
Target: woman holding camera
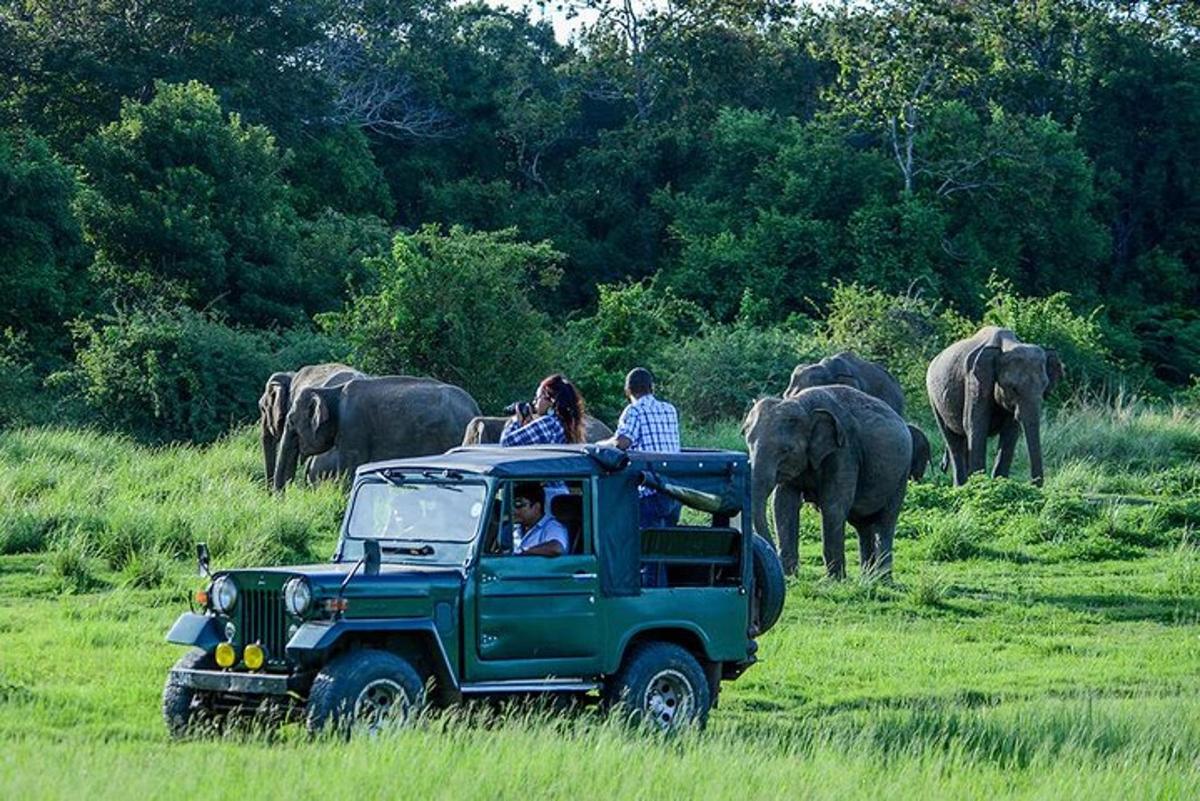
554	417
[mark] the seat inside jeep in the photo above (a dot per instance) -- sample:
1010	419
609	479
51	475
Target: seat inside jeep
568	510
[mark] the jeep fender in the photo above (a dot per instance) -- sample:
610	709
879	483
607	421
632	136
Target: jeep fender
682	632
314	640
201	631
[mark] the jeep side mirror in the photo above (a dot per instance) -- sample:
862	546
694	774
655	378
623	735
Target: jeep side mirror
202	558
371	557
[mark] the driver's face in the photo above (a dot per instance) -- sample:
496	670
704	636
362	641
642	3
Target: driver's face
525	512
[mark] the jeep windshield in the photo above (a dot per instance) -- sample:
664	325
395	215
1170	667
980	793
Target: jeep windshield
425	521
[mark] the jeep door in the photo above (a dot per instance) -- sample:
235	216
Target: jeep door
536	616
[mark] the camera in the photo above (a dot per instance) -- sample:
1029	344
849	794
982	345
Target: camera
522	409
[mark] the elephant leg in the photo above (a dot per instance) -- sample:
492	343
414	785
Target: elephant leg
786	508
866	546
956	447
1009	434
833	539
884	531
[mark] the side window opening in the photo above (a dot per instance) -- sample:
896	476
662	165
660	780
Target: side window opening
704	550
563	501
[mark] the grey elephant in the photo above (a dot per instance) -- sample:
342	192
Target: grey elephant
991	384
486	430
840	449
367	419
276	401
850	370
921	453
322	467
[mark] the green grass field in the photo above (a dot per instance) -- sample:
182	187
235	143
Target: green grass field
1035	643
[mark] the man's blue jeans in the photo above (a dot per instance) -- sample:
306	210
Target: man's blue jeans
658	511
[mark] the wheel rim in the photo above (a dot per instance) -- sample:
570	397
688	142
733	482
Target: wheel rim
382	705
670	700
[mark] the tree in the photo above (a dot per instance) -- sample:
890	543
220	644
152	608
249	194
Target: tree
185	202
897	59
43	280
457	306
74	63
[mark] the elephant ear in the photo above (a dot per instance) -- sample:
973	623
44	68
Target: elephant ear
849	380
981	372
1054	370
826	435
318	412
980	384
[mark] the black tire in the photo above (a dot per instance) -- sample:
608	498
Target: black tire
770	588
365	690
662	685
184	709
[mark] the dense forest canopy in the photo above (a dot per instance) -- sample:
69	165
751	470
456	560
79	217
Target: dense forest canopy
193	194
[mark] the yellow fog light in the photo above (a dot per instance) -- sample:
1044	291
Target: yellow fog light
226	656
254	656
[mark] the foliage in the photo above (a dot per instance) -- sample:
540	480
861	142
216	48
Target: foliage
245	159
168	375
1052	323
43	281
457	306
19	384
186	203
719	372
632	326
901	332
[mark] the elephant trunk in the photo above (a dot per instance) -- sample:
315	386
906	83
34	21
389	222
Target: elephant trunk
270	446
289	456
761	488
1031	422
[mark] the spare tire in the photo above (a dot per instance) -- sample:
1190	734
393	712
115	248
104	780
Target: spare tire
769	586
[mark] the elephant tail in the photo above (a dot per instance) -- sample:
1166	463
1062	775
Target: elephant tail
945	463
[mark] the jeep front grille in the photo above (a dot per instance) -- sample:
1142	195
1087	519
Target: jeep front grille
264	622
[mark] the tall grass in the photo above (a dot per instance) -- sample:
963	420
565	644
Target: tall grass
130	505
1137	749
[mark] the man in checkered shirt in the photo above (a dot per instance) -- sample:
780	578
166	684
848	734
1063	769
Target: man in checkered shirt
649	425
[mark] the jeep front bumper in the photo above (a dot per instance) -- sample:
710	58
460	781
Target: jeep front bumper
224	681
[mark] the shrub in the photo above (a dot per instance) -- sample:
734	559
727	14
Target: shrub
73	565
20	386
719	372
166	375
995	501
901	332
1065	517
458	306
928	589
935	497
950	537
633	325
146	571
1052	323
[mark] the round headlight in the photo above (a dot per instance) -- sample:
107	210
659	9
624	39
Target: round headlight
297	596
224	594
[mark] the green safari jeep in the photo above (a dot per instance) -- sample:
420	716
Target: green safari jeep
427	599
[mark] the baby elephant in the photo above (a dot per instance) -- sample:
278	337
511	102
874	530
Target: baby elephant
842	450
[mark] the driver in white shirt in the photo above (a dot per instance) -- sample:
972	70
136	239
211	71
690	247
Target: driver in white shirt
536	533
